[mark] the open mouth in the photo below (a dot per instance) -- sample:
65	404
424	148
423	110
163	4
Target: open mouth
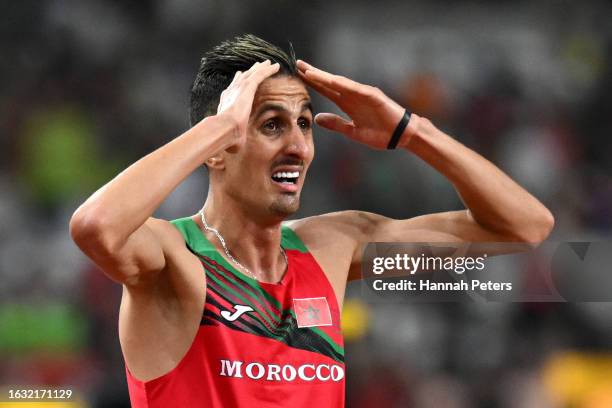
286	177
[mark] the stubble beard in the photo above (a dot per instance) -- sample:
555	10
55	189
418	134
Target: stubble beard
285	205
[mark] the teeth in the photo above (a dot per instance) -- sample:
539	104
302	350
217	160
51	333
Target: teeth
283	174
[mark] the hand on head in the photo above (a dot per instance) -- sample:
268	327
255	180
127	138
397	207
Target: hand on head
236	100
373	115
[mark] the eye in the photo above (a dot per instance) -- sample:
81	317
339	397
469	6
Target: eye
304	123
271	126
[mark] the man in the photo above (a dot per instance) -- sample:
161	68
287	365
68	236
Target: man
231	307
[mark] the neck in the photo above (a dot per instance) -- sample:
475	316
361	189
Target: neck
254	243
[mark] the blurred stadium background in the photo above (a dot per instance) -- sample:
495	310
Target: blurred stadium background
89	86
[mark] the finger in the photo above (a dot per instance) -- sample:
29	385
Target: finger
336	82
263	73
249	71
256	67
267	70
330	94
335	123
303	65
236	78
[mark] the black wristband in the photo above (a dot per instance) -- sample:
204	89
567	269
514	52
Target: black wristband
397	133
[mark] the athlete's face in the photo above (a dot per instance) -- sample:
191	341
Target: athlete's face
267	173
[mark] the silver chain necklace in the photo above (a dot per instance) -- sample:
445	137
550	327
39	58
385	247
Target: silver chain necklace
227	252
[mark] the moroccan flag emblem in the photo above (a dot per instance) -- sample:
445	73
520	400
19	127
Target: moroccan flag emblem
311	312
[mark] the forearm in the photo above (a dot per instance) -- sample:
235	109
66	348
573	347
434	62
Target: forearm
494	200
126	202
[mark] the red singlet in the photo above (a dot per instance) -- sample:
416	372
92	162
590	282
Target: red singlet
259	344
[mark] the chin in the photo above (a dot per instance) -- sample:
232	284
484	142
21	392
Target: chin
286	205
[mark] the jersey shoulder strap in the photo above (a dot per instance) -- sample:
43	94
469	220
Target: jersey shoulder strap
197	241
194	238
290	240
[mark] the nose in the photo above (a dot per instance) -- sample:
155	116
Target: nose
298	143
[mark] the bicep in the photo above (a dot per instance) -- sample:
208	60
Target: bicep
451	226
444	227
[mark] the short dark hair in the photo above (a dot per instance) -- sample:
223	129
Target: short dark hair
219	65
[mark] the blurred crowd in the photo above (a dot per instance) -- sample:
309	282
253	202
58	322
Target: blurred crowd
88	87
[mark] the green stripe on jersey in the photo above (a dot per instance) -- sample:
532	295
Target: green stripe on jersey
290	240
197	241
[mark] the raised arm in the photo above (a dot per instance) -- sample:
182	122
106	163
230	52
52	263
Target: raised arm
114	226
498	209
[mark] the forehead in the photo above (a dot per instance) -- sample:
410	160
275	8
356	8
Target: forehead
284	90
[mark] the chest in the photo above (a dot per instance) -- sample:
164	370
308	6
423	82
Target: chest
304	297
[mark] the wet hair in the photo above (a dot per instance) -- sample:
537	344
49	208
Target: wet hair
219	65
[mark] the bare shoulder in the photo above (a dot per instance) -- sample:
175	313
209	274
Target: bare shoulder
166	232
173	242
335	239
183	271
350	226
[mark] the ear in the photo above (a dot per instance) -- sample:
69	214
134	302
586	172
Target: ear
216	162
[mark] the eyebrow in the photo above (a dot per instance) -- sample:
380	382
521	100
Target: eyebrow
279	108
